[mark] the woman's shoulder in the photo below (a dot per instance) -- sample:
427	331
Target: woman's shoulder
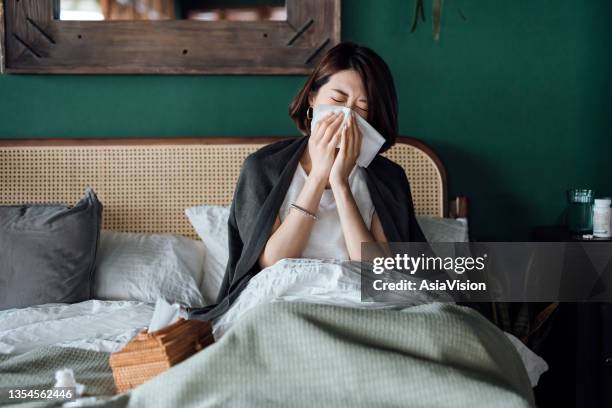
385	167
279	150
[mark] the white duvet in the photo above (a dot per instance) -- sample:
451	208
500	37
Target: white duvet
329	281
94	325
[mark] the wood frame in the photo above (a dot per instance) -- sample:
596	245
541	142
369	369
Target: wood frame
37	43
455	208
2	37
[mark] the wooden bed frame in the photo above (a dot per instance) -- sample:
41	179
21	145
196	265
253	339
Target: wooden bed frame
145	184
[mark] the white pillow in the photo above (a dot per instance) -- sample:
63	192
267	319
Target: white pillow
144	267
210	223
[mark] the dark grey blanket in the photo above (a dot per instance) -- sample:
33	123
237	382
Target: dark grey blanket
264	179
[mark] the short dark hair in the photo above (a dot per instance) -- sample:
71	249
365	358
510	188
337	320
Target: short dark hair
377	80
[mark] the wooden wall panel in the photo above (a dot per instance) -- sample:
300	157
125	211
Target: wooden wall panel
36	43
2	36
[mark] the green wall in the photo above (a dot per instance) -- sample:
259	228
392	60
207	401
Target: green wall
516	97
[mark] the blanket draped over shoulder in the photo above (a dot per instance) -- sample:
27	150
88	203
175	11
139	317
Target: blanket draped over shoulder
263	182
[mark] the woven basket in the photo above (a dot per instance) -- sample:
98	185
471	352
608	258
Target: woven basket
149	354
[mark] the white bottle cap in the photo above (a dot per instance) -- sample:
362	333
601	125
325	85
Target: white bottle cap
603	202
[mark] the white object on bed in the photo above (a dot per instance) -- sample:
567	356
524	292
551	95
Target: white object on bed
144	267
210	223
64	378
165	314
329	281
93	325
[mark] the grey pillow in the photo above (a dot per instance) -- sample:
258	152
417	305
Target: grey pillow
48	252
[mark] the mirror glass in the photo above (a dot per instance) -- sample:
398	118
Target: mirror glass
206	10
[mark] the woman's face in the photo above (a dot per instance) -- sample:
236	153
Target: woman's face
344	88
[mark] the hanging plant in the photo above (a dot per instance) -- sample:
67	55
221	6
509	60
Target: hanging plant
436	16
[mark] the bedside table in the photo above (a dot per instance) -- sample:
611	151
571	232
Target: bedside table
559	233
578	349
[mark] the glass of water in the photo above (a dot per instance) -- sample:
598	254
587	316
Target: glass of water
580	211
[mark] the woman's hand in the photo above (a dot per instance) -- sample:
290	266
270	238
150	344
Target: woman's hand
350	146
322	145
354	229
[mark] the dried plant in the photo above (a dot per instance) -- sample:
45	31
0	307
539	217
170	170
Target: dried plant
436	16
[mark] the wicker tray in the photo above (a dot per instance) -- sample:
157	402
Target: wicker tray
149	354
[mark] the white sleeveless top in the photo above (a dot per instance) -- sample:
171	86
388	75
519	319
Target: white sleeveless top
326	239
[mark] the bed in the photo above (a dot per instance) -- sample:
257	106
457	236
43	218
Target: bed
428	353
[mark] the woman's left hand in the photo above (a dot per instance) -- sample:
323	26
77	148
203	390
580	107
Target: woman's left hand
350	146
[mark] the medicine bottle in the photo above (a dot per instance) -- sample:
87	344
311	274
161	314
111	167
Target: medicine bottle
601	218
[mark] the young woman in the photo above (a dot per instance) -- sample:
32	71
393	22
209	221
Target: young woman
333	212
304	197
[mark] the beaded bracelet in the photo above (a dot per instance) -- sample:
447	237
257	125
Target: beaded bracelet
308	213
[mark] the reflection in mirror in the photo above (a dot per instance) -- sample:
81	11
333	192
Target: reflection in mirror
208	10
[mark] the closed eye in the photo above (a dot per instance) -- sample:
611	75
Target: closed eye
358	107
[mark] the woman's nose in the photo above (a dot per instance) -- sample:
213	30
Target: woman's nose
351	105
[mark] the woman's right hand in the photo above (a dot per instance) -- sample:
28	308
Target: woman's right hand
322	145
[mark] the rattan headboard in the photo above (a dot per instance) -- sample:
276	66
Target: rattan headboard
146	184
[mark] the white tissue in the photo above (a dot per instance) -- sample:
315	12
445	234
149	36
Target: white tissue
164	315
371	140
65	379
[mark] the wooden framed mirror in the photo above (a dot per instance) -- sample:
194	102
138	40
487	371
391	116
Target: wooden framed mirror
168	37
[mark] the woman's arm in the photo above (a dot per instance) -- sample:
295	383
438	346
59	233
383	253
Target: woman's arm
289	238
376	228
353	226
